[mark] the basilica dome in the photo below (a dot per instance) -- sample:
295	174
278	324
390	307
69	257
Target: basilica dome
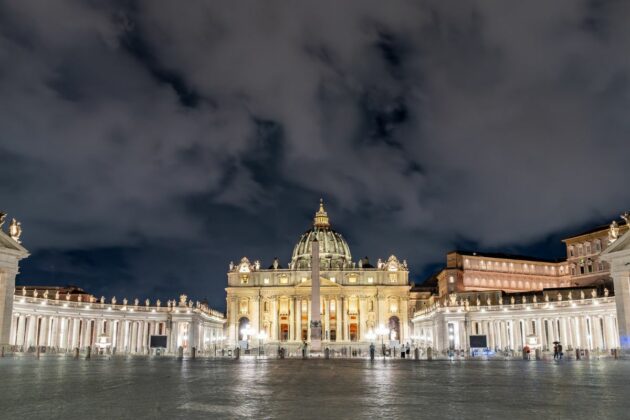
334	252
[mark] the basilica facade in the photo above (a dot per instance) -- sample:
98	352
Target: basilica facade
357	299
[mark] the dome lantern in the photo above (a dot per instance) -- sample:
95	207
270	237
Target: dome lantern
321	217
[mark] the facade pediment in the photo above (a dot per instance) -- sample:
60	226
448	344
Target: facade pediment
620	245
9	244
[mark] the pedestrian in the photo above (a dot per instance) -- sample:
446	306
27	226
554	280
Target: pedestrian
555	352
560	351
527	351
408	350
402	351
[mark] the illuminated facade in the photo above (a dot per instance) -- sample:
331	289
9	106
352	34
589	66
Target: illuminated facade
356	298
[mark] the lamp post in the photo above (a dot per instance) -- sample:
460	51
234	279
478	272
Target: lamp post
261	340
247	332
382	331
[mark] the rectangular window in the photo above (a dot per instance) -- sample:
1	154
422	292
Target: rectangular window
393	277
266	280
370	279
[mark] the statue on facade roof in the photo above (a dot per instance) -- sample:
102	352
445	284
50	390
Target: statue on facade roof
57	295
613	232
125	301
594	293
3	217
231	265
23	291
276	263
46	294
35	293
625	216
512	300
147	302
102	299
15	230
582	294
158	303
535	299
606	291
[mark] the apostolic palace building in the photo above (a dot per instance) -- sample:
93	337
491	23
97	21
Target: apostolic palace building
497	302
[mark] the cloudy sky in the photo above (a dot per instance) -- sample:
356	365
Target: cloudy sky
145	144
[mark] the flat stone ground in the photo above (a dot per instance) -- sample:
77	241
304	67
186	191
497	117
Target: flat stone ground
248	388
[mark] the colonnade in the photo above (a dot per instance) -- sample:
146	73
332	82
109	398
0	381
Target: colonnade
591	325
57	326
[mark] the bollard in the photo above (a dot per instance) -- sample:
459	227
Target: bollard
577	354
88	353
429	353
237	353
304	352
76	352
194	352
416	354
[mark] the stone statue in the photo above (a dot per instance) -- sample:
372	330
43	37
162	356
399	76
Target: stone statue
114	300
57	295
23	291
512	300
379	263
135	302
582	294
613	232
360	262
35	293
405	264
478	301
488	301
182	300
535	299
147	302
79	298
594	293
570	296
231	265
559	297
606	292
125	301
276	263
625	216
46	294
257	265
500	300
102	299
67	296
524	299
546	298
15	230
190	303
3	217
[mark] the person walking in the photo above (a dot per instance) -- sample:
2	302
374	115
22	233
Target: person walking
408	350
555	351
559	351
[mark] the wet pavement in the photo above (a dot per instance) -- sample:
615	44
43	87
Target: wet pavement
249	388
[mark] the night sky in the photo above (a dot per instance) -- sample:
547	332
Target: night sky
146	144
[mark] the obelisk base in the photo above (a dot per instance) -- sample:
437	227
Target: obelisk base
316	336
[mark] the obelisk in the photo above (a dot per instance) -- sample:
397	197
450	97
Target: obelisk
316	320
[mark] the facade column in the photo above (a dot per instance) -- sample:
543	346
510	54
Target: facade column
338	310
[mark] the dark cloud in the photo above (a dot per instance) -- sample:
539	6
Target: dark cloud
145	144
